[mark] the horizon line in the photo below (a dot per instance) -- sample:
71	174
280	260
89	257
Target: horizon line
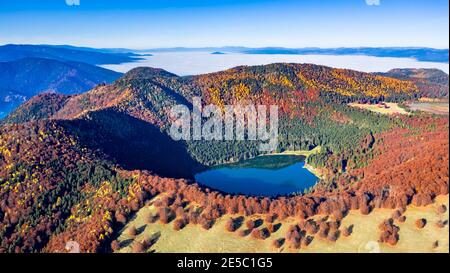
228	46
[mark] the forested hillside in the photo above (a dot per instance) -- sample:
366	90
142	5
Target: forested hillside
92	56
25	78
309	98
432	83
77	167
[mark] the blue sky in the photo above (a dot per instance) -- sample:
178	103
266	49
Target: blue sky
254	23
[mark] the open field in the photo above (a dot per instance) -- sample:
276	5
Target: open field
390	109
305	153
439	108
364	238
433	100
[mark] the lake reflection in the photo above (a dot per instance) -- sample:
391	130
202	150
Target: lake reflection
260	177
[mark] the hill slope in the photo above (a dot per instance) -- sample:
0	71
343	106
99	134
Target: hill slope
24	78
77	167
433	83
146	91
13	52
309	99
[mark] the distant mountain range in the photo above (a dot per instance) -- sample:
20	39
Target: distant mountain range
100	56
27	70
66	53
21	79
418	53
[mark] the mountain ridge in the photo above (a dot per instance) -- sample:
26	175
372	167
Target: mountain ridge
11	52
432	82
30	76
138	82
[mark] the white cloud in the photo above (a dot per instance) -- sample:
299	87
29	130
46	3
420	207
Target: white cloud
373	2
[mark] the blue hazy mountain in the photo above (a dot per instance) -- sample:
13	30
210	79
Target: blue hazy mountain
121	55
418	53
24	78
67	53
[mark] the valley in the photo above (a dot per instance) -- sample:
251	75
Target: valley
88	167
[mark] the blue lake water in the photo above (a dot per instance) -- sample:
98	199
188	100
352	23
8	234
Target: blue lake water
259	181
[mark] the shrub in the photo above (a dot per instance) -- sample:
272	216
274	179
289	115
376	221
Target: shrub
193	217
132	231
158	203
311	227
347	231
334	225
323	233
393	239
152	218
137	247
442	209
244	232
231	225
386	224
302	224
179	224
435	244
293	232
440	224
389	232
277	243
402	219
121	218
260	234
396	214
165	215
250	224
255	233
324	228
421	223
365	209
305	241
134	205
179	211
333	235
422	199
338	215
270	218
206	223
295	243
115	246
147	242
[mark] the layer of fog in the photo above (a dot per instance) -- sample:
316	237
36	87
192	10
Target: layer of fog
193	63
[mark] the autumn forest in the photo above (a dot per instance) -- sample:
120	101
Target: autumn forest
82	167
